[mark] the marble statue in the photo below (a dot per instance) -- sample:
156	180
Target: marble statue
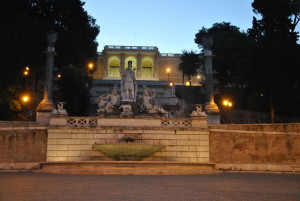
126	111
109	102
198	112
60	109
128	84
149	104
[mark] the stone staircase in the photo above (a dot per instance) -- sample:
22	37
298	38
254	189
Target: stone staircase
127	168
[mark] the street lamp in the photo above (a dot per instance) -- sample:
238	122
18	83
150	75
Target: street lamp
91	66
228	104
168	71
25	98
26	71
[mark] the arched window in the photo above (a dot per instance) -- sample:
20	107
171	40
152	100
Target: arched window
147	67
134	63
114	66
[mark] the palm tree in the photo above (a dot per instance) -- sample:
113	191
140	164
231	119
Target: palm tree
190	62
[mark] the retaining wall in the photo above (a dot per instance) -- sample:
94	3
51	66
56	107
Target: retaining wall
22	145
252	146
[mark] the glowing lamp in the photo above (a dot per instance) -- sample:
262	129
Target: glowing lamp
225	102
91	66
25	98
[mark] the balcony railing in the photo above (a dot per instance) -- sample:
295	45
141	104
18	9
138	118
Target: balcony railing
116	47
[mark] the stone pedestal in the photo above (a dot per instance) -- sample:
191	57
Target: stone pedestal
44	111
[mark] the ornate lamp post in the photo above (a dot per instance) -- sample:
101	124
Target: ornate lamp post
46	106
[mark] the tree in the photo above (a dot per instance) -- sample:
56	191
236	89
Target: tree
190	62
275	59
24	25
231	48
74	90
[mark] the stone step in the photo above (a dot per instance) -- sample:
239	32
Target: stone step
129	171
127	168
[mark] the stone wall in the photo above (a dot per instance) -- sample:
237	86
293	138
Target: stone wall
22	144
76	144
255	144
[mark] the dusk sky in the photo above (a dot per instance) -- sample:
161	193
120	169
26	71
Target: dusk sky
170	25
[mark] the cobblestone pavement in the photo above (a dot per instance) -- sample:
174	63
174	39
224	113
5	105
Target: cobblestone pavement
43	187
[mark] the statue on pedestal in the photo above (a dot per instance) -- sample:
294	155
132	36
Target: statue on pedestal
199	112
60	109
149	104
108	103
128	84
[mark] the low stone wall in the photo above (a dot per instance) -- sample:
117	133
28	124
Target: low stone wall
76	144
22	145
274	144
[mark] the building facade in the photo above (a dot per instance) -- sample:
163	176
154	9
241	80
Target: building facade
153	70
147	63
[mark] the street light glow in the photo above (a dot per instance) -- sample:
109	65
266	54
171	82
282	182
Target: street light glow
91	66
227	103
168	70
25	98
27	68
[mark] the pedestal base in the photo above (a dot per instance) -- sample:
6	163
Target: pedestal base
44	111
213	113
43	116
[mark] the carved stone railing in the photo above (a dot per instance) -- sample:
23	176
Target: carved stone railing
128	122
185	123
81	121
116	47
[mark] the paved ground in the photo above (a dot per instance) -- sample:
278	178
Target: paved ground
42	187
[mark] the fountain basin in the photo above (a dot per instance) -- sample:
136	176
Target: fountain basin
128	151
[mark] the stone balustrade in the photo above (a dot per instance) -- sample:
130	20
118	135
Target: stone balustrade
128	122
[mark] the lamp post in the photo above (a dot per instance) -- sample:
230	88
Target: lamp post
46	106
168	71
228	104
90	68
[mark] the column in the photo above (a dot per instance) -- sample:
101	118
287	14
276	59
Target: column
213	113
45	107
155	73
105	65
122	64
139	68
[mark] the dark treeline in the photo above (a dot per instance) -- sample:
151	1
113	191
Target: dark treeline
262	63
24	24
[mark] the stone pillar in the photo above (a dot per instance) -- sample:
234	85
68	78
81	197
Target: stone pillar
46	106
155	73
139	63
122	64
211	107
105	64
